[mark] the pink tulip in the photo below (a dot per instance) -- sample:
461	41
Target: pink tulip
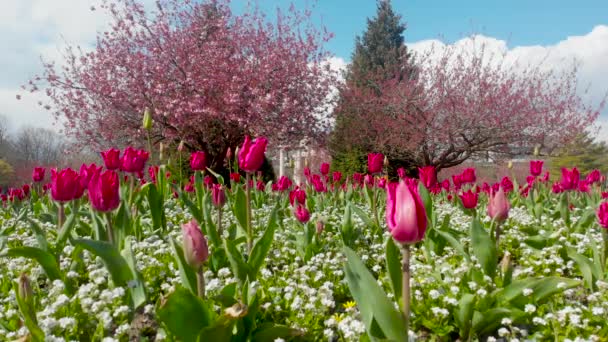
428	176
284	183
38	174
570	179
468	176
65	185
405	213
401	173
302	214
594	177
324	169
111	158
375	161
196	251
336	176
602	215
469	199
536	167
506	184
86	172
498	205
297	196
104	190
133	161
251	154
198	161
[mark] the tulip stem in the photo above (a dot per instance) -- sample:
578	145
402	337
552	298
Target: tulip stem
200	282
605	256
60	216
248	210
110	229
498	231
406	286
219	221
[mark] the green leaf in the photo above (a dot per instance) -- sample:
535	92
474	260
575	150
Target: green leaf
217	176
66	230
262	246
454	243
489	320
427	200
372	301
185	271
185	315
464	315
26	307
195	211
393	268
45	259
269	332
584	265
39	233
548	286
484	248
210	227
537	241
157	210
239	207
117	266
239	267
138	291
347	231
363	216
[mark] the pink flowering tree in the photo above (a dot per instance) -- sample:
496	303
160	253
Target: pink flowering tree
209	77
462	105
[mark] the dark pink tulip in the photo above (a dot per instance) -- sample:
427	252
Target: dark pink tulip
284	183
111	158
498	206
236	177
251	154
302	214
602	215
38	174
546	177
368	180
469	199
468	176
133	161
297	196
196	251
457	180
445	185
506	184
357	178
218	196
536	167
594	176
375	162
324	169
104	190
382	183
570	179
557	188
401	172
428	176
318	184
26	189
65	185
336	176
405	213
86	172
189	187
198	161
584	186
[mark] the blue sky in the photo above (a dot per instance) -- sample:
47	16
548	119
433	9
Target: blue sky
524	30
518	22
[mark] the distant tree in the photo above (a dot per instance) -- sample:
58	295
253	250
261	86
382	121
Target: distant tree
584	152
466	104
7	174
208	75
36	145
380	55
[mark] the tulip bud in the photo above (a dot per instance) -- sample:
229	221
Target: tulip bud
498	205
180	147
218	196
196	251
147	121
510	165
24	291
385	161
536	150
161	153
320	227
505	263
405	214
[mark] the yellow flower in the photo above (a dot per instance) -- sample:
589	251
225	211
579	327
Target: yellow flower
349	304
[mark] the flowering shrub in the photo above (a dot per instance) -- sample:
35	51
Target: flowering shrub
307	262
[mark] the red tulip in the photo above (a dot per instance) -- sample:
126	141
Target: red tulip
302	214
26	189
498	205
602	214
65	185
111	158
469	199
401	172
104	190
594	176
405	213
218	196
428	176
375	162
382	183
506	184
324	169
251	154
318	184
536	167
196	251
38	174
133	161
236	177
368	180
457	180
198	161
283	184
357	178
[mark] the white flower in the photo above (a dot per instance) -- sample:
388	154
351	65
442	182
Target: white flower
434	294
527	292
529	308
503	332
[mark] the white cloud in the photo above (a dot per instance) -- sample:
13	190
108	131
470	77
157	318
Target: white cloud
31	28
